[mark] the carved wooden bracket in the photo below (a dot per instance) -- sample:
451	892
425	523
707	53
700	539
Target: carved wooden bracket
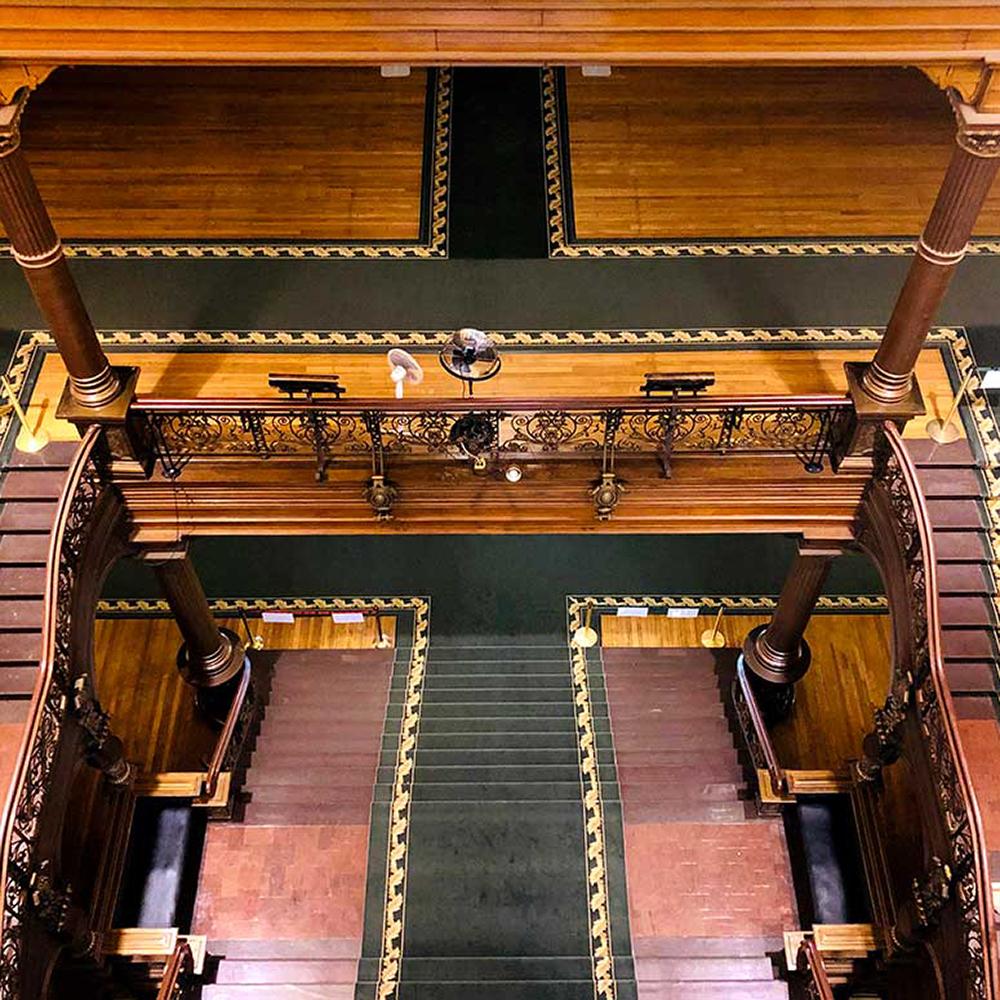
883	744
922	911
104	750
977	83
15	77
54	907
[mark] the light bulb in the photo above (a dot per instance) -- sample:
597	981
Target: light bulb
513	473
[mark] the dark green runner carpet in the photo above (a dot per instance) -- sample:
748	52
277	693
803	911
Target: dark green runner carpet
498	899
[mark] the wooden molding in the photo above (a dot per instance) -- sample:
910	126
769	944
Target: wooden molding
16	76
836	941
803	783
900	32
183	785
153	942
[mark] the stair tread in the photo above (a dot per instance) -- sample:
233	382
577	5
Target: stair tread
972	676
955	514
943	481
22	613
20	647
27	515
23	581
967	643
32	484
25	549
55	455
970	609
961	546
962	578
925	452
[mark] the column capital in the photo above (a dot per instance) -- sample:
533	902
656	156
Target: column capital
978	132
10	123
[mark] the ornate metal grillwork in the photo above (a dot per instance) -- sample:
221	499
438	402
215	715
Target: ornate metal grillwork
182	430
86	483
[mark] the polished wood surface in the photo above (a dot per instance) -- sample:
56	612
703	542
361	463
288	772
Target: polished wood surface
152	709
229	153
849	675
547	374
438	31
723	152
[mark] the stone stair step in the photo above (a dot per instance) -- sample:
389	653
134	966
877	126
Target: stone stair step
55	455
963	578
21	613
939	482
287	972
971	677
14	711
265	772
23	581
684	990
684	811
639	791
690	969
967	610
18	680
27	515
694	658
24	549
705	947
20	648
961	546
967	644
925	452
956	514
284	814
982	707
276	991
285	948
516	791
32	484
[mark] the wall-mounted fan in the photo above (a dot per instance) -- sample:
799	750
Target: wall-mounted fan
471	356
403	367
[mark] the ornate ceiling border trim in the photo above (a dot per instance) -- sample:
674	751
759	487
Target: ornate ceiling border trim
564	243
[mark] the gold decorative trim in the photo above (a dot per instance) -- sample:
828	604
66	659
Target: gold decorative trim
563	241
743	604
601	954
433	243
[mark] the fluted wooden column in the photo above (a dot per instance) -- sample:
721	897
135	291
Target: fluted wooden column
888	380
210	656
36	247
776	653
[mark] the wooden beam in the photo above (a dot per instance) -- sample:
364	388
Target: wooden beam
439	32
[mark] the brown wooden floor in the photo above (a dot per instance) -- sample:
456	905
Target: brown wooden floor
834	701
152	710
525	373
148	153
779	152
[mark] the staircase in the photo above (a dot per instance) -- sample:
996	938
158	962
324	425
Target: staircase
955	492
281	895
709	883
497	891
29	492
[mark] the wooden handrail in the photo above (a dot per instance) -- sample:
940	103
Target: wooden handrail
947	743
30	784
389	404
180	963
810	962
226	736
758	739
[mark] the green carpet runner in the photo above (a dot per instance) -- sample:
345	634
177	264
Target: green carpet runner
495	864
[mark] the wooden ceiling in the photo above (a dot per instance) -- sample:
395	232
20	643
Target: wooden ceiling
57	32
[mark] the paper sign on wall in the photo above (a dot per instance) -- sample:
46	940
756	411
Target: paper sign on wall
347	617
632	612
277	616
682	612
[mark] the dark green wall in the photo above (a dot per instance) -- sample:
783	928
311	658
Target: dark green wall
494	584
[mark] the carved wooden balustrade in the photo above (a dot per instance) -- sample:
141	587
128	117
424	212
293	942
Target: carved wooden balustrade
918	817
43	917
378	433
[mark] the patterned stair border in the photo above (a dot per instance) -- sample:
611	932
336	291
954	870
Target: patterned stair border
563	241
434	200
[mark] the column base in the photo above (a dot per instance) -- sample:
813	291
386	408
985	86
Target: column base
774	666
854	450
213	670
215	702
